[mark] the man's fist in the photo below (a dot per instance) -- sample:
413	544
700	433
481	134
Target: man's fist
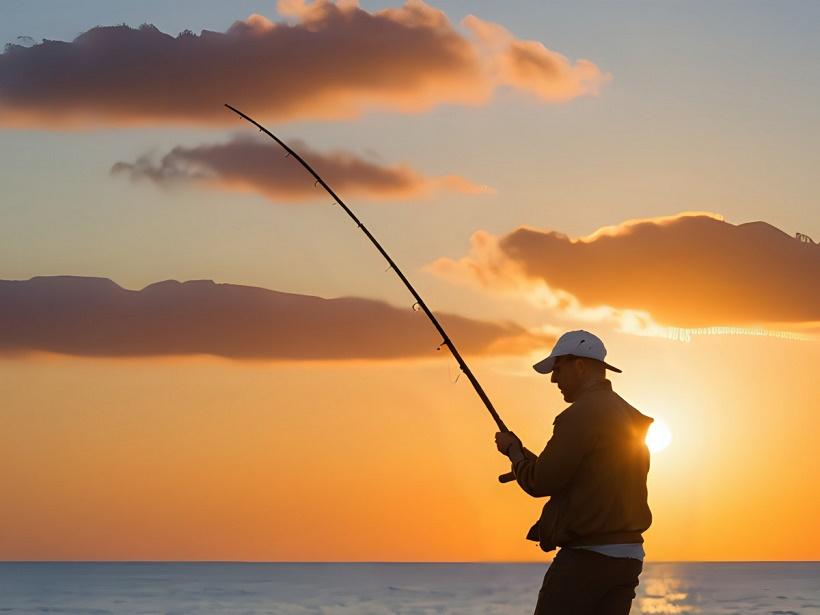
506	441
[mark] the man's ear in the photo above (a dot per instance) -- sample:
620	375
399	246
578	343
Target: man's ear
580	365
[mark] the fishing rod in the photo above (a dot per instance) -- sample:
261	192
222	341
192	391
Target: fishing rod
446	341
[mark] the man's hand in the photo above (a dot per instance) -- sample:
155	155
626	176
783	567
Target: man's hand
507	443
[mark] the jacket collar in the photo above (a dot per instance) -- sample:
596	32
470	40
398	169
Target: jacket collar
603	385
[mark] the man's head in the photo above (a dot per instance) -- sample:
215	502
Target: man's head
574	374
576	361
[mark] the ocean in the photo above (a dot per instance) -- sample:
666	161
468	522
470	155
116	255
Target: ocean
379	589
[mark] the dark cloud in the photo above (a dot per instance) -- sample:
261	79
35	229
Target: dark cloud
333	61
260	166
96	317
691	270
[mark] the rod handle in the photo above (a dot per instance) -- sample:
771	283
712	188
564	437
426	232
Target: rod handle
506	478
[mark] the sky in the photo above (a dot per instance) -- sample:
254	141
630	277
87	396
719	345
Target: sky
639	170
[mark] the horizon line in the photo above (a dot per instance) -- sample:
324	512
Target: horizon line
474	562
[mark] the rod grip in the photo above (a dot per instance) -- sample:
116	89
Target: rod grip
506	478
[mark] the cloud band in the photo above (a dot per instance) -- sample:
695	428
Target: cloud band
96	317
334	61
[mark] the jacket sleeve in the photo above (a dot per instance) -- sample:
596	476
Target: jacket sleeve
528	453
552	470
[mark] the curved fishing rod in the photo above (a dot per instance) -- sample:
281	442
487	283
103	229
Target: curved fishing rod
419	301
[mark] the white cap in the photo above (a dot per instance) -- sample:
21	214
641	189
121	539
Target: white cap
578	344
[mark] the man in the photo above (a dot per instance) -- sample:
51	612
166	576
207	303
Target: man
594	471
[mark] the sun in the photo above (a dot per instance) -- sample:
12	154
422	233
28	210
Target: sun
658	437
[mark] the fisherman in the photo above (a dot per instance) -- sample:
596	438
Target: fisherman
594	470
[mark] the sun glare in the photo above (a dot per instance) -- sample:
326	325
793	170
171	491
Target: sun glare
658	437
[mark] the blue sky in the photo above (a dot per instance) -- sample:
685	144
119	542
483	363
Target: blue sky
711	107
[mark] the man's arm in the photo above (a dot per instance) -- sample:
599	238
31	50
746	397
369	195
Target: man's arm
517	453
552	470
510	445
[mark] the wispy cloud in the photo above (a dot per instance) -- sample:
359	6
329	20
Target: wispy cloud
328	61
260	166
691	270
96	317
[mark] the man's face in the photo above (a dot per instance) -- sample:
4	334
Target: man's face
566	374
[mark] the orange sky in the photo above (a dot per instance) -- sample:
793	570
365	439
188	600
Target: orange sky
210	459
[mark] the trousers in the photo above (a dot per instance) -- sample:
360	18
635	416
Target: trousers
582	582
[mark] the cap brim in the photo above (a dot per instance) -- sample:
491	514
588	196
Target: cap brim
614	369
546	366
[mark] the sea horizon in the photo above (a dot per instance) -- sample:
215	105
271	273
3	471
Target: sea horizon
239	561
382	588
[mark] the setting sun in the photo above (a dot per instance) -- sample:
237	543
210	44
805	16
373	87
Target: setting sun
658	437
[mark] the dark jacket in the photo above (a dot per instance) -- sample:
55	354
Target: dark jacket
594	469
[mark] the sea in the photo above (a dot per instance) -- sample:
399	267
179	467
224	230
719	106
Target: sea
385	588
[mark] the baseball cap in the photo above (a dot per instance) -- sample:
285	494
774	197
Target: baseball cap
578	344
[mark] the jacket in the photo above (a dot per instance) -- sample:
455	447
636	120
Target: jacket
594	470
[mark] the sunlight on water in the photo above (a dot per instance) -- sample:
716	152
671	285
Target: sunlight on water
663	596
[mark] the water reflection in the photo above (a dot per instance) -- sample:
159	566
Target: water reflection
663	595
721	588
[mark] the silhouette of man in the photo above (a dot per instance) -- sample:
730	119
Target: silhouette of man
594	470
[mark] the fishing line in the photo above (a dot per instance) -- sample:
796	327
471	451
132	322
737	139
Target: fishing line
446	341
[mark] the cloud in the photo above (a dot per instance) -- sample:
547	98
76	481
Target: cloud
259	165
531	67
96	317
331	61
689	270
